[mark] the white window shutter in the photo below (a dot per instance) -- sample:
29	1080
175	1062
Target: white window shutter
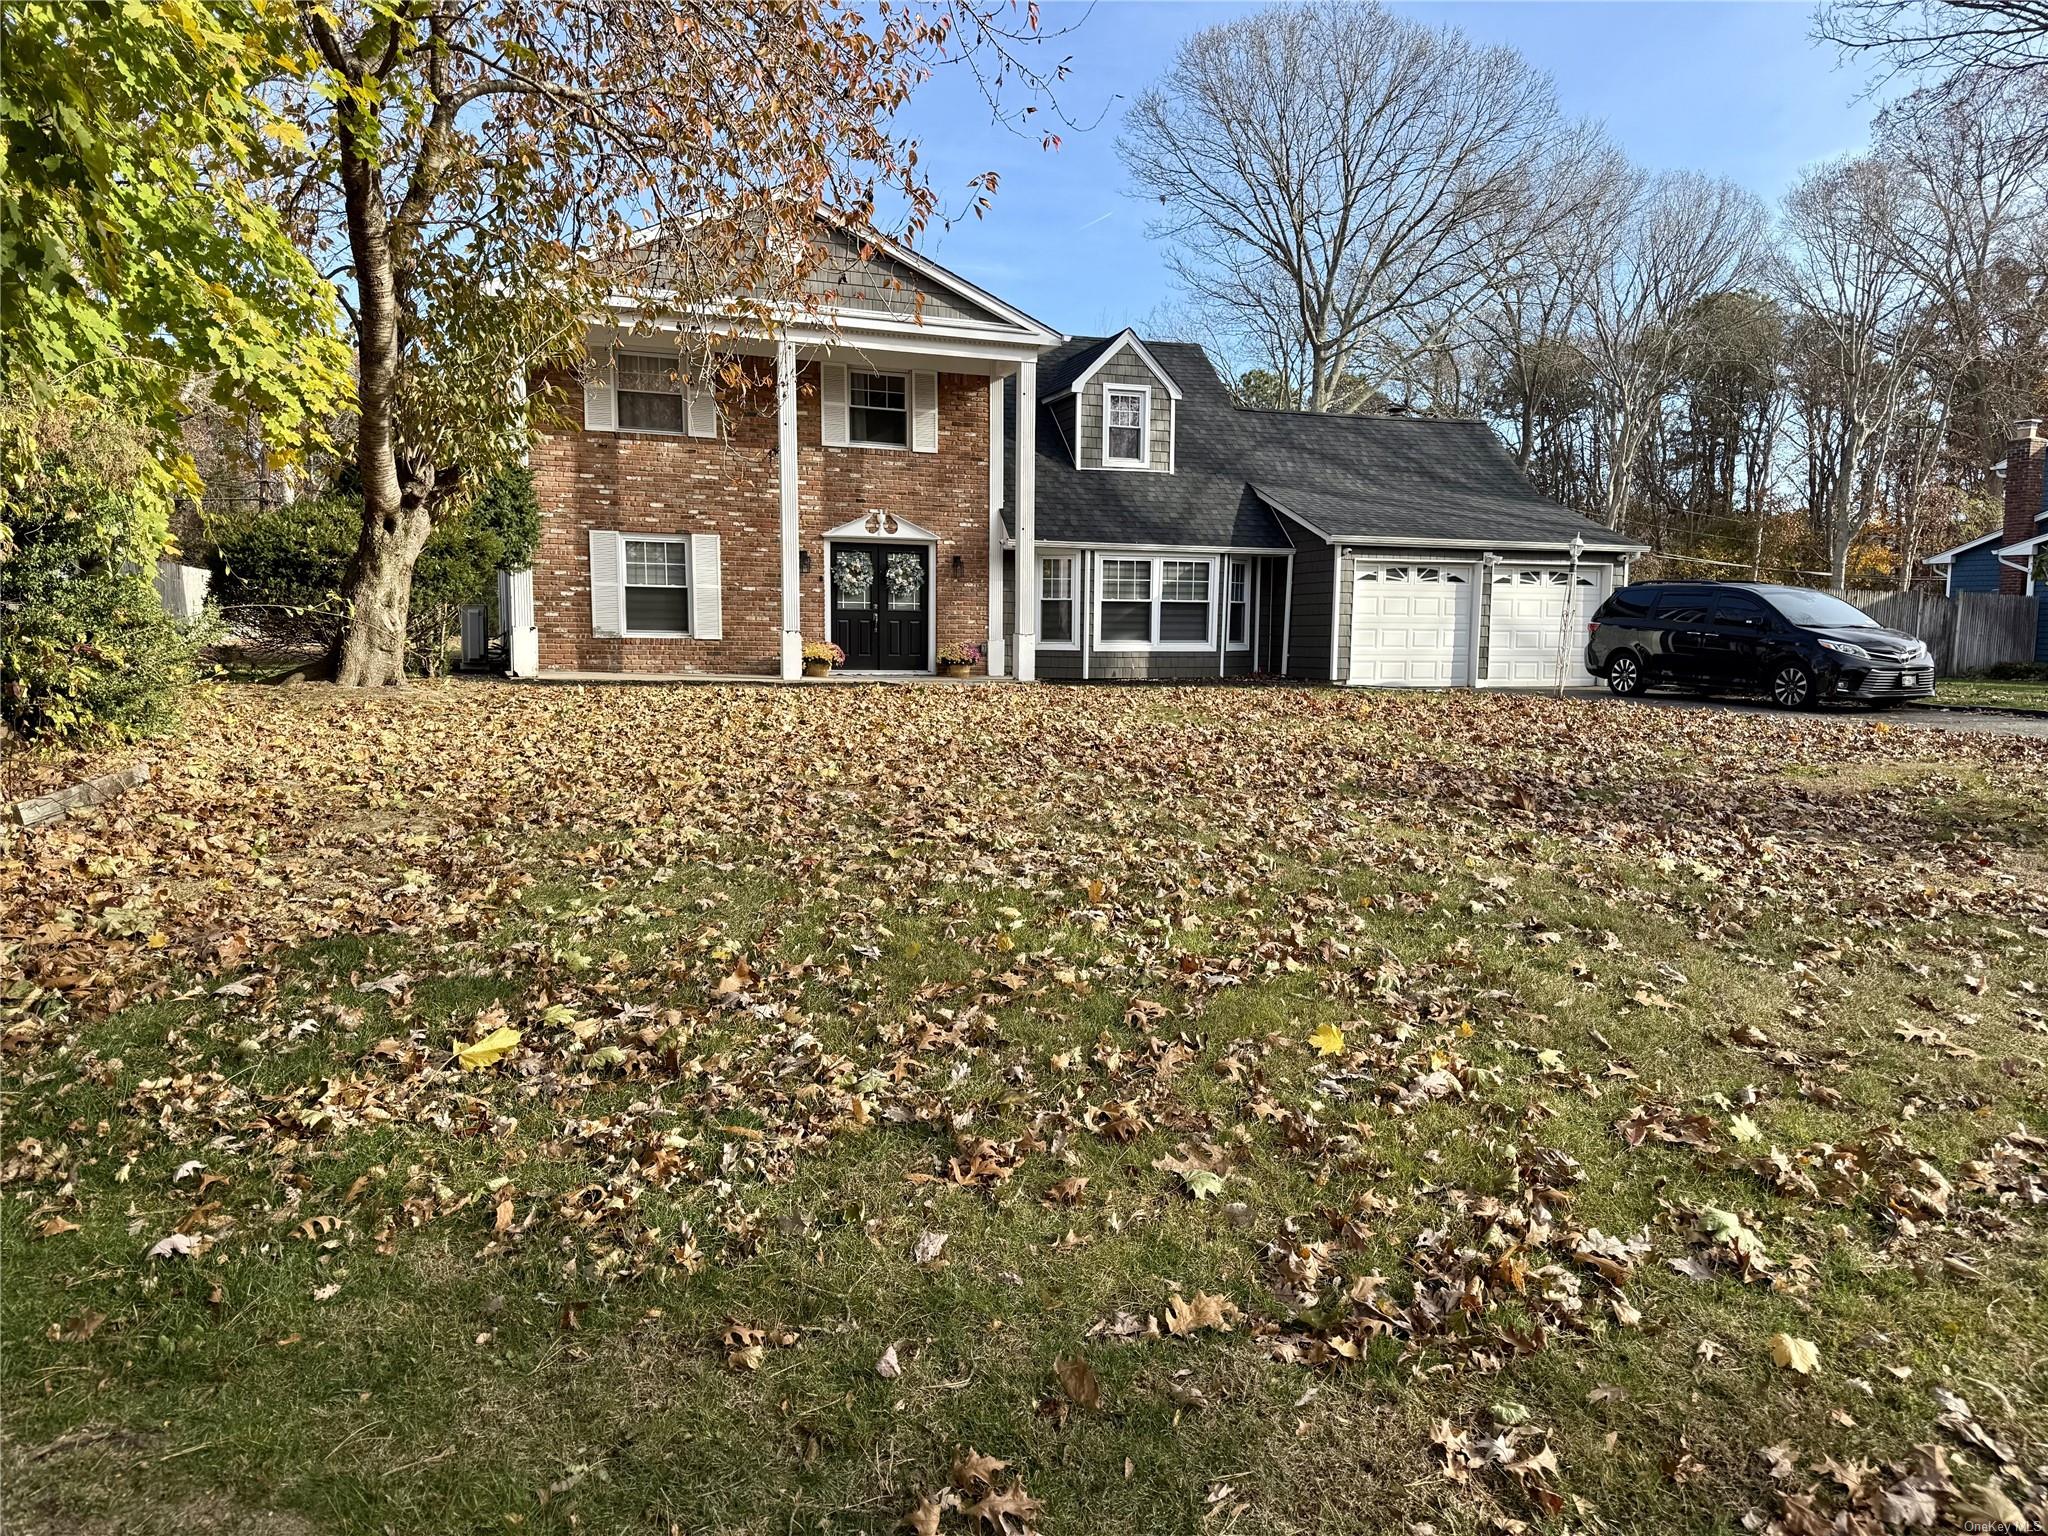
607	593
701	408
832	405
600	399
924	412
707	608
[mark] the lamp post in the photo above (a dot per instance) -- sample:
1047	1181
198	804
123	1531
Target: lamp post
1571	595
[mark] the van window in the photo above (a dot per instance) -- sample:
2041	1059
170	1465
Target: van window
1738	610
1626	603
1682	607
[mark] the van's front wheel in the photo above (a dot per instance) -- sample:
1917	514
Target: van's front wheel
1792	685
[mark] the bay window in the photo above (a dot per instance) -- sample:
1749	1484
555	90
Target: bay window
1154	602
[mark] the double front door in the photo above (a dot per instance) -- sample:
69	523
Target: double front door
882	606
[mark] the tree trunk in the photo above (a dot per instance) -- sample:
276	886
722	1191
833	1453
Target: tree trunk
1841	530
378	588
378	594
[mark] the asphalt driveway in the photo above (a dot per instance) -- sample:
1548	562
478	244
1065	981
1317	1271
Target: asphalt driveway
1850	716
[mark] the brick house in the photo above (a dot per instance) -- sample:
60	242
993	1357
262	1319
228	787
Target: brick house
923	467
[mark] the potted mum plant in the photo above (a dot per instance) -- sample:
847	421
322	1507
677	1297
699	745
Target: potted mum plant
820	657
959	660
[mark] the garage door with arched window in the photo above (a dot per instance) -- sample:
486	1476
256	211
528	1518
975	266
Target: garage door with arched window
1540	611
1411	624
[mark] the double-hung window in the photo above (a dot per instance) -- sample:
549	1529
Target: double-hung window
1238	621
1151	602
1056	600
657	585
1126	425
878	409
650	394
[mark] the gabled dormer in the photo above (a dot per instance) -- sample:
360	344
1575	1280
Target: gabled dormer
1117	407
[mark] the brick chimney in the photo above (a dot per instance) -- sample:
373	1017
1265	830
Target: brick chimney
2025	456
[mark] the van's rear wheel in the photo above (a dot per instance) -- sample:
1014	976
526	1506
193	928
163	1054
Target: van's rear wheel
1625	674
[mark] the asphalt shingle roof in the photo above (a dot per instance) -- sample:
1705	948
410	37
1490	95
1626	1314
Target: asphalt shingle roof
1352	478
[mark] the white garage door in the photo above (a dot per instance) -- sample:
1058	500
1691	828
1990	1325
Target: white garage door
1530	617
1411	624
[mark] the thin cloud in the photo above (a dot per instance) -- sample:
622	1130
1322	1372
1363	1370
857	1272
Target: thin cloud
1097	220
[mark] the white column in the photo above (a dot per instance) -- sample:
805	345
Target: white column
792	579
996	636
1026	519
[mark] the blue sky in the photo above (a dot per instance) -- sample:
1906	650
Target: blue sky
1732	87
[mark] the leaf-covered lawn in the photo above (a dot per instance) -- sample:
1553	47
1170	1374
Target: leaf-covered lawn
1075	1110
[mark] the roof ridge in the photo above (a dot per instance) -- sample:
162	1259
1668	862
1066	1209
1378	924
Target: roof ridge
1282	410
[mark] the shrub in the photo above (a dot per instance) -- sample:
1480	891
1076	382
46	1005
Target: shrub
498	531
295	557
290	557
2019	672
87	652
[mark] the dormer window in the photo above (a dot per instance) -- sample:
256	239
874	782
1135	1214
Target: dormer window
1127	417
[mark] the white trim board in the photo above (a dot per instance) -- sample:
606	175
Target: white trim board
1170	549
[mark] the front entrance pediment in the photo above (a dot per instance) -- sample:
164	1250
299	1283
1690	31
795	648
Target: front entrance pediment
878	524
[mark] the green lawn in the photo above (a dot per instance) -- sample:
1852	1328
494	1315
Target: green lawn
1073	1110
1983	693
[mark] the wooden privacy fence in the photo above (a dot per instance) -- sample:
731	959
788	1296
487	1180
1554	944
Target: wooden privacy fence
1967	632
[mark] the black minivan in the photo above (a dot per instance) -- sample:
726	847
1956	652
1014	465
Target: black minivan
1797	646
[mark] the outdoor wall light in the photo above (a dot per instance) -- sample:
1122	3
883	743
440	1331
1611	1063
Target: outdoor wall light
959	567
803	561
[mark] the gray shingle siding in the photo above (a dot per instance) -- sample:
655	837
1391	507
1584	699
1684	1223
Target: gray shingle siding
1010	612
882	285
1315	574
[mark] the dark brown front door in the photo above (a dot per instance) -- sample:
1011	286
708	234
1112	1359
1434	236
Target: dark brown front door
881	606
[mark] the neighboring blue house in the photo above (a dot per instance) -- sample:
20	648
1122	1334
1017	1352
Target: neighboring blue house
2004	559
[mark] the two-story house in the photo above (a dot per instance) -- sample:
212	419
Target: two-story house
923	466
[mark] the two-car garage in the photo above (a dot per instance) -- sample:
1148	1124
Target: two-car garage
1446	623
